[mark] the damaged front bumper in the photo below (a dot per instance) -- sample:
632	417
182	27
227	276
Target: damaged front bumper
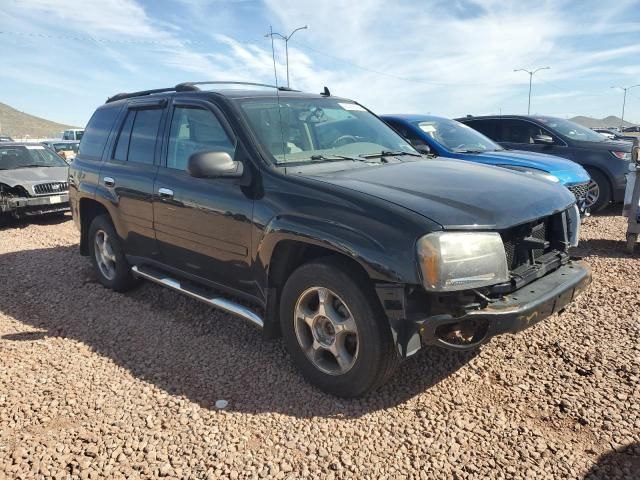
26	206
476	323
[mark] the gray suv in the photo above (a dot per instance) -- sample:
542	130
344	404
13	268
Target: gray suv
607	161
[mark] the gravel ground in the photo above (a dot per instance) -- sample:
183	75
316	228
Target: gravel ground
96	384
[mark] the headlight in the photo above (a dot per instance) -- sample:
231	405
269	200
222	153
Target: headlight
533	171
462	260
621	155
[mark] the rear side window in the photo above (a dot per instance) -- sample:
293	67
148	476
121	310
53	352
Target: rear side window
137	139
143	136
486	127
97	132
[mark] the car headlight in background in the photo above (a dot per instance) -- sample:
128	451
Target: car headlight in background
462	260
533	171
621	155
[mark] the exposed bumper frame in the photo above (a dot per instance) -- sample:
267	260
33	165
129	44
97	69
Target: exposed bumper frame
517	311
26	206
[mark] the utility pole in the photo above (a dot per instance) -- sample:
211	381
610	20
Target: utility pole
286	44
531	73
624	101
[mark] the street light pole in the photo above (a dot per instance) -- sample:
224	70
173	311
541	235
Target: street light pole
624	101
531	73
286	45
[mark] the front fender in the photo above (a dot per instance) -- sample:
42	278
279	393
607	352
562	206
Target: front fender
381	261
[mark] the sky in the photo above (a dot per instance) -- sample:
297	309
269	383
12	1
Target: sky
63	58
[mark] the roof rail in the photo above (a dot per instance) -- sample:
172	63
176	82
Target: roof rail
189	86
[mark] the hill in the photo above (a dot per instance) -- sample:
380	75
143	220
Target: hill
610	121
19	124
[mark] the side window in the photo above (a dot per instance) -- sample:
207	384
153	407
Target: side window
122	145
194	130
407	133
97	131
144	133
486	127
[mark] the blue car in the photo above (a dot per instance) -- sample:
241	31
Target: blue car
449	138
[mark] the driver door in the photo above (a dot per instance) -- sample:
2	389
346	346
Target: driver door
203	225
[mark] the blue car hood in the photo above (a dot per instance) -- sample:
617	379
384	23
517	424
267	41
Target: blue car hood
567	171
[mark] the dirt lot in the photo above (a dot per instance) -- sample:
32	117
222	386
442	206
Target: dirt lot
96	384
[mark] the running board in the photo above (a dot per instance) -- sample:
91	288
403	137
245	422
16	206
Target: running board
217	302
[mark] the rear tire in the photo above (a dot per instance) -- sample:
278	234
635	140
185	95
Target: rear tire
107	256
603	197
344	346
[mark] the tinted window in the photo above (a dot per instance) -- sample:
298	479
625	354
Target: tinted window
143	136
97	131
122	145
195	130
486	127
518	131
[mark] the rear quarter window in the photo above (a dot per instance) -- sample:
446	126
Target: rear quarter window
97	132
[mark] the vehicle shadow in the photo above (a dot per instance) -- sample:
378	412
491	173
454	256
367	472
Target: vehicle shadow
620	463
183	346
7	222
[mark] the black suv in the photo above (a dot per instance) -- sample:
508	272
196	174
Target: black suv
607	161
313	219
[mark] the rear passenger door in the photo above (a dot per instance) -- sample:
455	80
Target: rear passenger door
203	225
130	170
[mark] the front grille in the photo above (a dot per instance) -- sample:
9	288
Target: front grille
580	191
50	188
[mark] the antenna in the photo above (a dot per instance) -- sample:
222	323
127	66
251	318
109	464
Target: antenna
275	74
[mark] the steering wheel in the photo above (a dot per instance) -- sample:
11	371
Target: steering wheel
344	140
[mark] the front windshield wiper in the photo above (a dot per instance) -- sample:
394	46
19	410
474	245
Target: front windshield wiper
387	153
461	150
332	158
33	165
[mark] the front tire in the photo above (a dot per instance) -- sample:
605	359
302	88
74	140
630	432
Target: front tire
335	330
599	194
107	256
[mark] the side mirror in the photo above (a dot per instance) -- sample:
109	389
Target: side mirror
213	165
544	139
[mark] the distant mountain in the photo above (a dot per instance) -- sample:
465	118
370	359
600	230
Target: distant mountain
610	121
19	124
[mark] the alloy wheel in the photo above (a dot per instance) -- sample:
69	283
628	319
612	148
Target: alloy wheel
592	195
326	330
104	254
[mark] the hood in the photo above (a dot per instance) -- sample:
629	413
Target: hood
458	194
27	177
566	171
617	145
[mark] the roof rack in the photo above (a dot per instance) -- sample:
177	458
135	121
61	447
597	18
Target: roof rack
190	87
193	85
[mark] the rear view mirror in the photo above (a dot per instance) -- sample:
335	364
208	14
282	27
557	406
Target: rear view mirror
423	148
544	139
213	165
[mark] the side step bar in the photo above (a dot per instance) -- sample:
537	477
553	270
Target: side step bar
217	302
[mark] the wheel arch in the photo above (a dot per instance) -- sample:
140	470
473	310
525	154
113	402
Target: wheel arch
88	210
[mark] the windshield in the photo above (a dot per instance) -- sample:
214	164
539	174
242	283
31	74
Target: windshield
572	130
457	136
307	130
24	156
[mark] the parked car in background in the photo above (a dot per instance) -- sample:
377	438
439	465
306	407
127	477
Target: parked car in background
66	149
616	135
632	129
449	138
310	217
5	138
33	180
605	133
606	161
73	134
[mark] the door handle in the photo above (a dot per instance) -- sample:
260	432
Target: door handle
109	182
165	193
